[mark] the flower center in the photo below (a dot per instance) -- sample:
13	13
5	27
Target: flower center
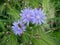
37	17
28	16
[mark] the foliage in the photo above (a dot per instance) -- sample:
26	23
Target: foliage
45	34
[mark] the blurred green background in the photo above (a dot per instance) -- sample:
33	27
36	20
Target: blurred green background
10	11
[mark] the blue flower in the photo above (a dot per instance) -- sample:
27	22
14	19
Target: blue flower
27	15
35	16
39	16
18	27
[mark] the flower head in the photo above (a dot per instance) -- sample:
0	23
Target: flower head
18	27
27	15
39	16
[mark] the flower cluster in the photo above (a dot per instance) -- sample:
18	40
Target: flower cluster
35	16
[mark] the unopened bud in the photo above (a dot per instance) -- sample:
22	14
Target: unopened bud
4	3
